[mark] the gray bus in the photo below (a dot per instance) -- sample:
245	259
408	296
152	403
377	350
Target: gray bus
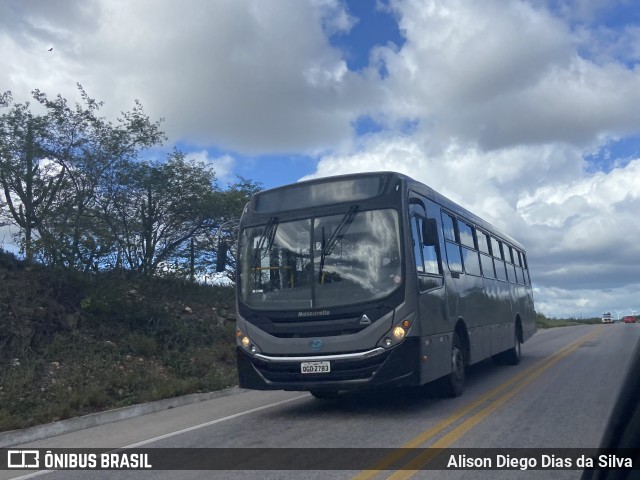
373	280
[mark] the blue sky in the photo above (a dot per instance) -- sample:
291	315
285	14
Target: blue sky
376	25
527	112
275	170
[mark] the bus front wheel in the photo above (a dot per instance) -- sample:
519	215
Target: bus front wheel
454	382
324	394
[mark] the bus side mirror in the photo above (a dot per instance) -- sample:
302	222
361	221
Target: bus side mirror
221	259
430	232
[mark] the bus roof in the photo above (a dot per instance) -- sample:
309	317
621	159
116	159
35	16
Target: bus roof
386	177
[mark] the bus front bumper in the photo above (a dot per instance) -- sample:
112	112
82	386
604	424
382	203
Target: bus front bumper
397	366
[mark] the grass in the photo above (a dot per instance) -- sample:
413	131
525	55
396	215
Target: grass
77	375
81	345
544	322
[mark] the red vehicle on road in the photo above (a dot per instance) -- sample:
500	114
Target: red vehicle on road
629	319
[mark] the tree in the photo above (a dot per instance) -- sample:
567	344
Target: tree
71	181
154	209
52	165
223	232
30	181
88	148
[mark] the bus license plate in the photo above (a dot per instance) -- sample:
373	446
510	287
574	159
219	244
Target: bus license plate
315	367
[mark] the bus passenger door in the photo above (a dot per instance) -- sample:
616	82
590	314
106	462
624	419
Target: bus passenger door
432	296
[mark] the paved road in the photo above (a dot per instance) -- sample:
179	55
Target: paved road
559	396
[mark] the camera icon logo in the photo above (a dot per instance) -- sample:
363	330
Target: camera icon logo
23	459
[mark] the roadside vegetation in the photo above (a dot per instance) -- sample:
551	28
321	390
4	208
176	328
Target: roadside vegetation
109	301
543	322
73	343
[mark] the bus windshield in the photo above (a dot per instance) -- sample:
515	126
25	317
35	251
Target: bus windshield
320	262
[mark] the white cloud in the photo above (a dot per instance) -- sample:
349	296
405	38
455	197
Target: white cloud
335	18
247	76
599	194
503	73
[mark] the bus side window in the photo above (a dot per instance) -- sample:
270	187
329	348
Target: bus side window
496	250
466	234
483	243
470	255
449	228
417	242
454	257
424	232
504	248
525	269
522	276
485	254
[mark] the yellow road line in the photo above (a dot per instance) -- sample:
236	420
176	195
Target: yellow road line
528	375
425	457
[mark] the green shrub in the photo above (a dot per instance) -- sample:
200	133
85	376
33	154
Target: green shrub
140	344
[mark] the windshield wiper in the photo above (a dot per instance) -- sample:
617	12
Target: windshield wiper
267	237
338	233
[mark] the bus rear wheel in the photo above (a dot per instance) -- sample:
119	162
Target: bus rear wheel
512	356
454	382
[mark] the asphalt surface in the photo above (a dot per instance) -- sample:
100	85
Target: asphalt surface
559	396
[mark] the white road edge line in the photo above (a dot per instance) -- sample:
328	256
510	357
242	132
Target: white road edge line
213	422
178	432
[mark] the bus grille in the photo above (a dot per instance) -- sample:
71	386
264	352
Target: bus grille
309	329
340	370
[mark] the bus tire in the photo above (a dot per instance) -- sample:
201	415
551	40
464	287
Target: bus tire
498	358
324	394
512	356
454	382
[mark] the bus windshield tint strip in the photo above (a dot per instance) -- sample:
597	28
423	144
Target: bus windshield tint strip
325	193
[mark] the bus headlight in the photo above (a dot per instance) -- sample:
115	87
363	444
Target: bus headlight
393	337
245	342
398	333
242	339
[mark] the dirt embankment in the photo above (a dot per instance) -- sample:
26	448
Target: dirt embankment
72	343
